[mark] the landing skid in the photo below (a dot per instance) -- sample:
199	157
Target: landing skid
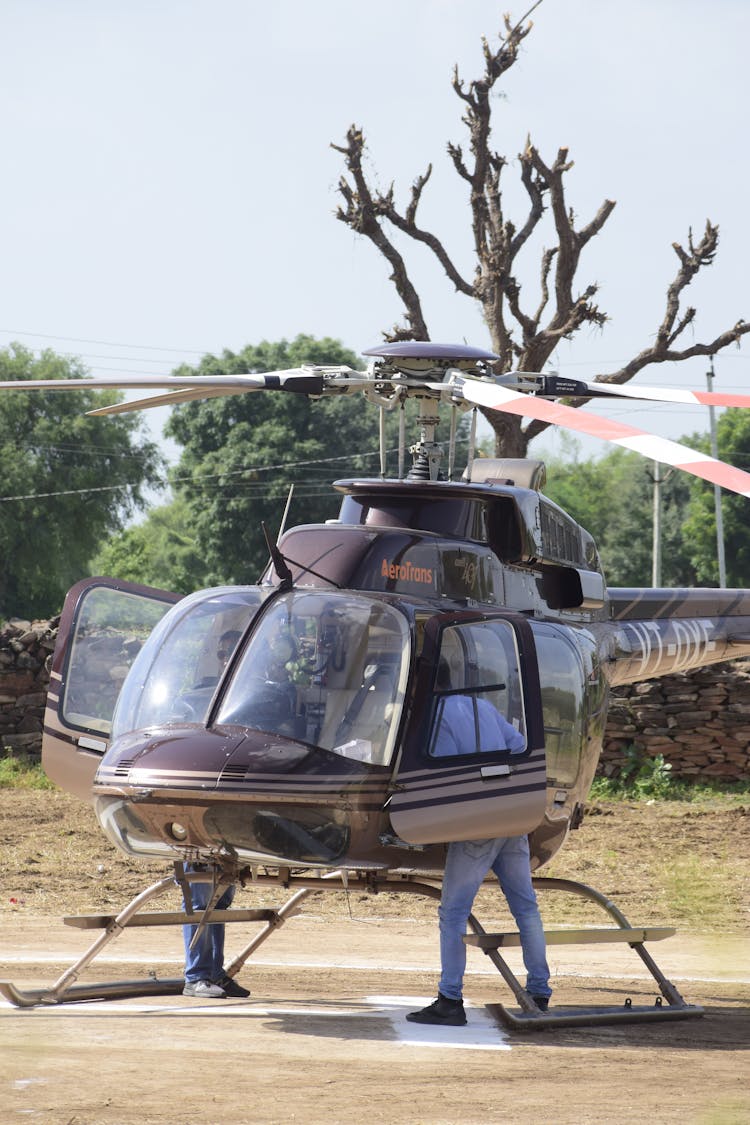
114	990
65	990
532	1018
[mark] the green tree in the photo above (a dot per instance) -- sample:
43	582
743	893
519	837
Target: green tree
161	551
68	482
733	440
627	544
612	497
242	453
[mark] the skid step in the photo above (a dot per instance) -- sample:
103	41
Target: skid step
169	918
602	934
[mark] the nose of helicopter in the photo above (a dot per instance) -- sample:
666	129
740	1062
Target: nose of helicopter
175	755
272	799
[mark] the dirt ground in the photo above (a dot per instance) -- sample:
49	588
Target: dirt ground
323	1037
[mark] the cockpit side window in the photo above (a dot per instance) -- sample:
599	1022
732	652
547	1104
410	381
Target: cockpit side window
325	669
478	701
174	677
563	702
110	629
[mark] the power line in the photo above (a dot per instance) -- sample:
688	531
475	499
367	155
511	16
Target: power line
725	355
220	478
203	481
79	450
104	343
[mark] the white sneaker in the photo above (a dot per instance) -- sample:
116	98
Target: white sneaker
203	988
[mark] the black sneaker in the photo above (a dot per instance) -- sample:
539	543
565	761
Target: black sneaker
231	987
542	1002
444	1011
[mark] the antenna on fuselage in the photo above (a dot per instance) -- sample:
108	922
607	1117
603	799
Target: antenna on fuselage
284	574
282	528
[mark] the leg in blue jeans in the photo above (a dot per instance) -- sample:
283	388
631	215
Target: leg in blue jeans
205	961
512	867
467	864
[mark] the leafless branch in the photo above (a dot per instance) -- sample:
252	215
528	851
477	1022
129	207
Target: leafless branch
674	323
360	214
524	333
406	223
569	311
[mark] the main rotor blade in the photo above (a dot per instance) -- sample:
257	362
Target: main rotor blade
171	398
305	379
311	380
655	448
139	382
559	386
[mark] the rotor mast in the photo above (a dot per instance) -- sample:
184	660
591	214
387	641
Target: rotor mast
424	370
427	453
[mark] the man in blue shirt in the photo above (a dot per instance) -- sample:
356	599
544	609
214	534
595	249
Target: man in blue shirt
468	724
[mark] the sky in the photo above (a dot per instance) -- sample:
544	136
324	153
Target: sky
169	185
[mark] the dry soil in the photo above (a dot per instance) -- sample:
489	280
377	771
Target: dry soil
323	1038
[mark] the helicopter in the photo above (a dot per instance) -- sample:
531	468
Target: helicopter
310	756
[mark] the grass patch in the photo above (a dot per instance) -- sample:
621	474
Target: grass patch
694	888
642	777
725	1109
705	793
23	772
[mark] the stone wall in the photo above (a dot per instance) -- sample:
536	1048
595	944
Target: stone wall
699	721
26	649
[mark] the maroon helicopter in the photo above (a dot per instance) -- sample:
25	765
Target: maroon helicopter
310	749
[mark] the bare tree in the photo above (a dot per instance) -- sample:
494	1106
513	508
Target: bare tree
523	337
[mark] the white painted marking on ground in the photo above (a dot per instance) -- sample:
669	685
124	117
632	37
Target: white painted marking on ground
123	1007
481	1033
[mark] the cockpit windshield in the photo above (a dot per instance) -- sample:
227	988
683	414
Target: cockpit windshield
327	669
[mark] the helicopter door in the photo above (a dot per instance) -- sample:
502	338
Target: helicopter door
102	627
473	765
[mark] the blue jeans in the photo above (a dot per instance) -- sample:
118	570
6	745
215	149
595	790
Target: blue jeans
205	961
466	865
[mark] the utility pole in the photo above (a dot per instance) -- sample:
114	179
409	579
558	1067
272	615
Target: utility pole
717	489
656	542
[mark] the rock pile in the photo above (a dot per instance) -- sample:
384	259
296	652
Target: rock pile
699	721
25	656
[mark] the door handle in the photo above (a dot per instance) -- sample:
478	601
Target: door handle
502	769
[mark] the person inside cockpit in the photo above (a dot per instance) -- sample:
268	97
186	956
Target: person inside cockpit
191	706
226	646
